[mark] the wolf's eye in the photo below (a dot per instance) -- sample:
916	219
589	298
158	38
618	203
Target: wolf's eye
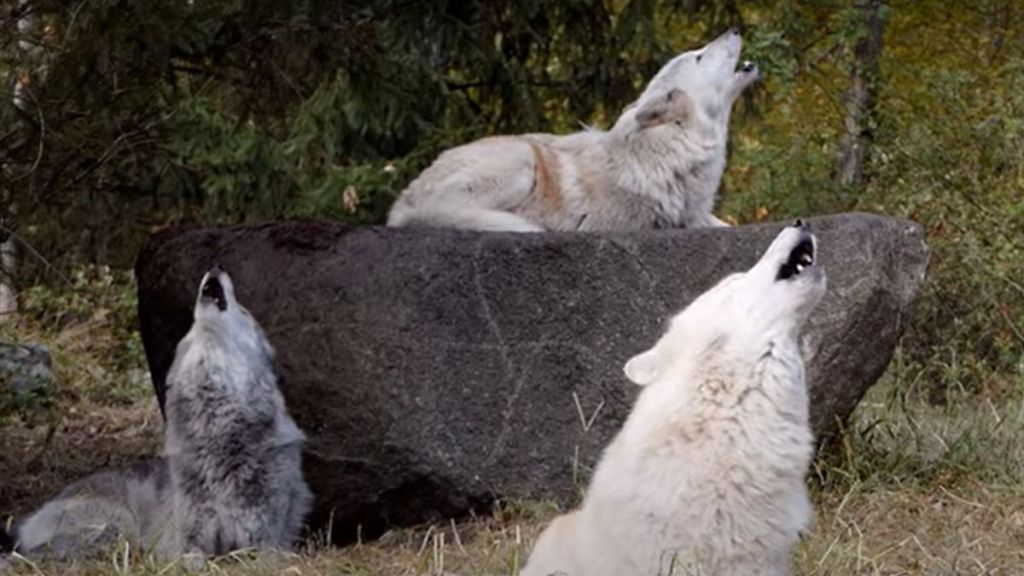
699	56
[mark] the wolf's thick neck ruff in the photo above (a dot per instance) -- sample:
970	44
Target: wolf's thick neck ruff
673	171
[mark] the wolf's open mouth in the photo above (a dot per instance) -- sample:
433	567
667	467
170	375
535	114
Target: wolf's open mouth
801	257
213	290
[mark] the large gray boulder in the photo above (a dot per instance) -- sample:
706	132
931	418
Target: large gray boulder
436	370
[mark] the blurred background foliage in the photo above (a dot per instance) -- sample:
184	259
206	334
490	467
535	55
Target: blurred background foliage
125	116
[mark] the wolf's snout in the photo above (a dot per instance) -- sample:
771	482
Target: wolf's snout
731	35
748	66
801	256
213	290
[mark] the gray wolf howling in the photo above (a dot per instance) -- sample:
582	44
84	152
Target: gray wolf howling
235	455
230	475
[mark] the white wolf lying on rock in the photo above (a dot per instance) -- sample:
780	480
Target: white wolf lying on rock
231	474
659	166
706	476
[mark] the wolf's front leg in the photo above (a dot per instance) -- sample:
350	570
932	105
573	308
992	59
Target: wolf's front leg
193	561
253	527
709	220
704	220
715	222
192	536
199	530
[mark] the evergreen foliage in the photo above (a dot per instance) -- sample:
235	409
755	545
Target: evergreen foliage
144	113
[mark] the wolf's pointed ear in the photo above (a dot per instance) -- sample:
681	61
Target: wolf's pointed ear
671	107
7	542
644	368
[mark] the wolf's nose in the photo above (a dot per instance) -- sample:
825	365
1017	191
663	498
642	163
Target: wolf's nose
734	30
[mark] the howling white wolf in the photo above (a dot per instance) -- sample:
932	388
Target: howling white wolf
231	473
659	166
706	476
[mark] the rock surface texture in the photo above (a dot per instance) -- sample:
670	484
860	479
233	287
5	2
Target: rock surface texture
25	368
435	370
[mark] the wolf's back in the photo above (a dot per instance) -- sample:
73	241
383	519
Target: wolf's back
131	503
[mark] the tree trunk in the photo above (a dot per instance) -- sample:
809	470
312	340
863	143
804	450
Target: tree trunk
24	64
8	264
862	95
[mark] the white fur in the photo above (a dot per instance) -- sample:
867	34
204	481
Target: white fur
660	165
707	475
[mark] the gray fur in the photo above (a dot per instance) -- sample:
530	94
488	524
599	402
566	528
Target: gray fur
130	503
230	476
234	452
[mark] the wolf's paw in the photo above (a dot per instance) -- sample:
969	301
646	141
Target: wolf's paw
193	561
718	222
